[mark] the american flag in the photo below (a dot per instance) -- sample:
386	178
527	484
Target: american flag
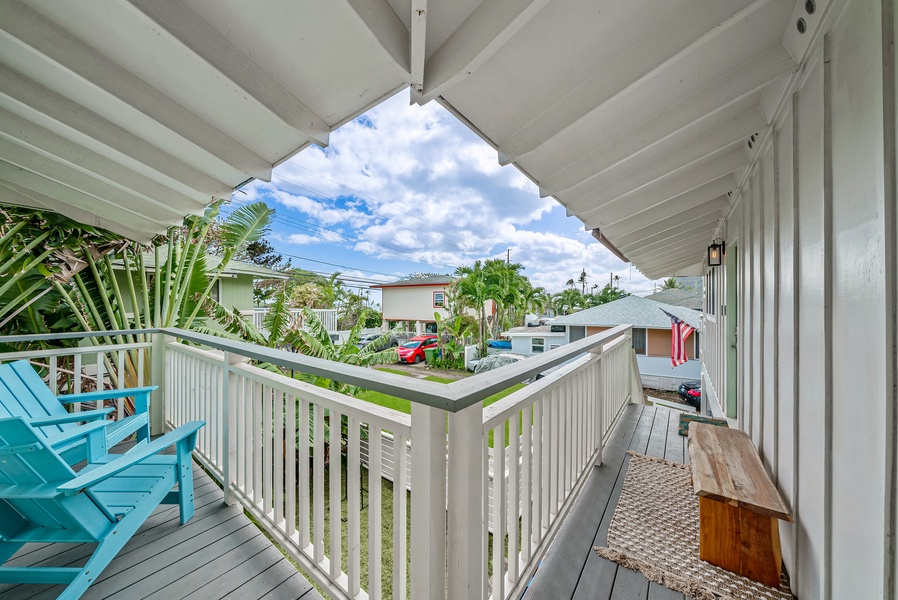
679	331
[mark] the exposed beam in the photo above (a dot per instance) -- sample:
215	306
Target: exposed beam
418	51
19	196
664	255
187	27
684	268
673	241
618	207
674	233
76	179
35	102
22	25
386	27
483	33
687	32
671	157
69	195
22	131
719	95
679	265
683	219
675	205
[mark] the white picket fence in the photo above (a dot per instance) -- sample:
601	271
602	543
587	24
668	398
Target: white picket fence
275	445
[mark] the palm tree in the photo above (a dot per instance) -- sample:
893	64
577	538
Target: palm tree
582	280
670	283
473	292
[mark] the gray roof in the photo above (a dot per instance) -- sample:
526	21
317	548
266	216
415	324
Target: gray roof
685	297
541	331
636	311
429	280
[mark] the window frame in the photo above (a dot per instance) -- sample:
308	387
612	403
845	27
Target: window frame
645	340
442	303
534	345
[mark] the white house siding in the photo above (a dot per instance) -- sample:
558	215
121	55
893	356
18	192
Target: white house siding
815	236
413	303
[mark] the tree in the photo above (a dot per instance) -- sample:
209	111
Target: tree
314	340
670	283
473	292
582	280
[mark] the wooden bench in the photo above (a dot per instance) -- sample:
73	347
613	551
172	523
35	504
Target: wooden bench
738	504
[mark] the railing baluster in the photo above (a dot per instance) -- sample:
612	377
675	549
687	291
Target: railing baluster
400	516
526	482
336	521
279	456
255	407
499	512
320	447
267	448
540	494
353	508
291	432
305	442
375	540
513	498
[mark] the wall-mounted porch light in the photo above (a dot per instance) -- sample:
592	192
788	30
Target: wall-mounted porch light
715	253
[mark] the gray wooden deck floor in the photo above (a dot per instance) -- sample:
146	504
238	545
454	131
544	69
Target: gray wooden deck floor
571	569
219	553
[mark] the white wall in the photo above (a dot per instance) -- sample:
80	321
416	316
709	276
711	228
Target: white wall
660	366
414	303
815	229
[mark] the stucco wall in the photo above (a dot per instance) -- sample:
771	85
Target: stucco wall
814	234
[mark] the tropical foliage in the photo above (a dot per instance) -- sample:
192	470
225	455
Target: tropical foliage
56	274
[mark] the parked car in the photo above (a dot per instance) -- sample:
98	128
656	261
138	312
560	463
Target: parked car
413	350
390	342
691	392
493	361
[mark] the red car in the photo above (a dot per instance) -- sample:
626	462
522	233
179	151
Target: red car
413	350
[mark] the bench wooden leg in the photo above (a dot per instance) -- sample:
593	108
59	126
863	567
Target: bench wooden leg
740	540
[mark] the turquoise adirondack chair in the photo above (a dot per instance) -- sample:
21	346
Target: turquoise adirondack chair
42	500
24	394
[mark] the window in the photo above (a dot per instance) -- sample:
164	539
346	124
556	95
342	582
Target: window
537	345
215	292
439	299
698	345
430	328
639	340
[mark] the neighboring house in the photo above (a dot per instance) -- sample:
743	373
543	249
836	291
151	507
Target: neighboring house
651	336
414	301
233	289
535	340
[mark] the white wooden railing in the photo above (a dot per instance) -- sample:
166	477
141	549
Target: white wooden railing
266	442
328	317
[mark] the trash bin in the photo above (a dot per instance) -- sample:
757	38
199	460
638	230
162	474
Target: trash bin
430	354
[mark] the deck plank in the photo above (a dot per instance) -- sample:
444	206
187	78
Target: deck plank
653	433
219	553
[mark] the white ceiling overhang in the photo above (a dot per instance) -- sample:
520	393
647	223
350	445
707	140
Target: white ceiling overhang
640	117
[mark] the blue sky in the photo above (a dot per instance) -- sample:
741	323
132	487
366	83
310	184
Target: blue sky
405	189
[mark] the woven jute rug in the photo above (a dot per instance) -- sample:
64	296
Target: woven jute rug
654	530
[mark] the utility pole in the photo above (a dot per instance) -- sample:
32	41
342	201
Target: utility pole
508	256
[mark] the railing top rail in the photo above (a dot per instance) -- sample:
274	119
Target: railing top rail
451	397
43	337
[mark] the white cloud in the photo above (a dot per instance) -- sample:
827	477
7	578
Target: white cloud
301	239
413	183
